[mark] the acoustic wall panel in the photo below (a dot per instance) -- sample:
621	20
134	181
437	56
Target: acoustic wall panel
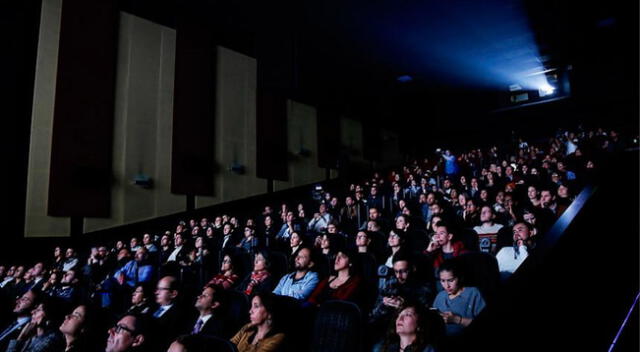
37	222
235	126
82	139
302	155
143	125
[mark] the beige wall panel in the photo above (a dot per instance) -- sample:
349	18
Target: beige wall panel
235	129
142	138
37	223
302	133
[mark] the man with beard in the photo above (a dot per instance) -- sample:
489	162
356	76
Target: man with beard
300	283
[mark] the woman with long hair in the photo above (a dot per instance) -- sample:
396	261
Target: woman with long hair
78	329
262	333
260	278
343	285
458	304
228	275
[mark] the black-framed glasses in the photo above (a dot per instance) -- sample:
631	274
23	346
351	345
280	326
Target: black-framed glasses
118	328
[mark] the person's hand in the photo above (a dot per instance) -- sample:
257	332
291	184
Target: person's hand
316	216
121	279
450	318
433	245
394	302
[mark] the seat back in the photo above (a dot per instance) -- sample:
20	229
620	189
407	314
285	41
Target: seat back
337	328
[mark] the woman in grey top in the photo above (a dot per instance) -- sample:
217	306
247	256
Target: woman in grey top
458	305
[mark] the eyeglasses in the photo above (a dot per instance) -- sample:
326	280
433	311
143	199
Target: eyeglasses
163	289
118	328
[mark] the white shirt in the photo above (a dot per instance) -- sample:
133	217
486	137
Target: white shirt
509	260
174	254
6	281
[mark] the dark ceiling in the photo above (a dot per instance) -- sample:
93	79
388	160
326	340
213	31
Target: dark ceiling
350	53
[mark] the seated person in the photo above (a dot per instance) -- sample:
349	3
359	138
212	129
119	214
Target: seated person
443	245
128	334
141	300
262	332
415	330
78	329
41	333
509	258
210	305
343	285
395	241
260	278
227	276
488	230
458	305
300	283
402	287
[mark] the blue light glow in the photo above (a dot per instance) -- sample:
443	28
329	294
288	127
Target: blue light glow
476	43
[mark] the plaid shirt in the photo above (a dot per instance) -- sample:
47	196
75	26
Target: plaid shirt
50	341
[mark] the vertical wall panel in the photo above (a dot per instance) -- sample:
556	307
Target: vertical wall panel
351	138
37	222
80	174
194	102
235	138
328	125
143	124
302	139
272	135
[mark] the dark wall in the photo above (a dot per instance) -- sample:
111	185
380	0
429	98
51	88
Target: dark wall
19	25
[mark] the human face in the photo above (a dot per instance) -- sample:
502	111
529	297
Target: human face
37	269
68	277
38	315
164	294
295	239
521	232
449	282
484	195
226	230
401	271
133	243
199	242
485	214
563	191
373	214
530	218
19	272
431	198
259	263
137	296
471	206
226	264
362	240
258	313
325	243
69	252
393	240
122	336
57	252
73	322
341	262
401	223
546	198
204	301
407	322
164	241
178	241
331	228
441	235
24	303
268	221
248	232
303	259
146	239
140	254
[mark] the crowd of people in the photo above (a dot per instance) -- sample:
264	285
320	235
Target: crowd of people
394	244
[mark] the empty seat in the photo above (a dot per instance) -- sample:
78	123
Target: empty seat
338	327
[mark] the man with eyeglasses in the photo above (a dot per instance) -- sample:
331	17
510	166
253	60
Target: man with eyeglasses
22	311
169	320
128	334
